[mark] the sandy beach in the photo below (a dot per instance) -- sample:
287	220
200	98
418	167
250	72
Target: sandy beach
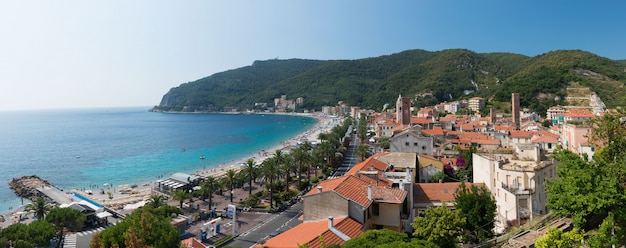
126	198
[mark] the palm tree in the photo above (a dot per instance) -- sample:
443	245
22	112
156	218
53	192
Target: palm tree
270	171
181	195
306	145
300	157
362	152
286	168
156	201
250	167
230	181
210	184
327	151
40	207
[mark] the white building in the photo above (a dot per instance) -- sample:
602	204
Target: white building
517	182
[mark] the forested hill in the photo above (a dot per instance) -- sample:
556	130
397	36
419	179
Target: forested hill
427	77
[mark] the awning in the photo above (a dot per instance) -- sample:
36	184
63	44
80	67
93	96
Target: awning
172	183
103	215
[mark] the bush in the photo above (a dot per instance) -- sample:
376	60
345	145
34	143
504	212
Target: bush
223	240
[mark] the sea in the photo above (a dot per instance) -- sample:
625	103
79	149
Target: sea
83	148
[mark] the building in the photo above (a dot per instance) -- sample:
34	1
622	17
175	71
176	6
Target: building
476	103
515	109
574	138
317	234
435	194
517	182
411	141
403	110
363	197
554	112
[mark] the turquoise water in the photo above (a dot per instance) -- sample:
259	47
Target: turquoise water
82	147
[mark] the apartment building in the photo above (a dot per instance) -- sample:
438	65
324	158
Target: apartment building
517	181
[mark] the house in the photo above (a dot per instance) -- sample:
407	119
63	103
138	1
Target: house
547	142
427	167
317	233
410	141
371	202
517	181
574	138
435	194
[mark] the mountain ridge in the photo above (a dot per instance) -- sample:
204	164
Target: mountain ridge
447	75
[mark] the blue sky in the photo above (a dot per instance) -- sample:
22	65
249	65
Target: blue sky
75	54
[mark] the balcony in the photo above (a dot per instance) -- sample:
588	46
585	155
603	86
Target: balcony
517	190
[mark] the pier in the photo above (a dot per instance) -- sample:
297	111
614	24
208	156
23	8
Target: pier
32	187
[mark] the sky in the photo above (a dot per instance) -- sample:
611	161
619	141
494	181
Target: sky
117	53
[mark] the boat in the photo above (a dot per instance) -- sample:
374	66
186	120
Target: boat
202	157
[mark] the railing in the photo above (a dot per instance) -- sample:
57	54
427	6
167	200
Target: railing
516	189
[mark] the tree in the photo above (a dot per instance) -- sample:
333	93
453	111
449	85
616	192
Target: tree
286	168
40	206
609	136
249	171
385	238
230	181
181	195
65	220
141	228
362	152
584	188
300	158
36	234
156	201
439	225
270	171
478	207
210	184
438	176
556	238
384	142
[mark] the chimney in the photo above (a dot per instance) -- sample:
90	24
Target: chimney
369	192
319	189
330	222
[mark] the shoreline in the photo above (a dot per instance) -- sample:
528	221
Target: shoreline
143	190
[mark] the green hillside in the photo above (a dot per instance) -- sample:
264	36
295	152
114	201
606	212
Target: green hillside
428	77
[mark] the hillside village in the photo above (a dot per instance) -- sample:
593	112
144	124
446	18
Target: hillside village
511	158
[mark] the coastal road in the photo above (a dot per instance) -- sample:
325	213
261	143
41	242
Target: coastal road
350	159
278	222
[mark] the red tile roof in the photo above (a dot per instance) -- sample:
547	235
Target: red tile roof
389	195
436	131
309	233
579	113
436	192
352	187
544	139
369	164
521	134
449	118
420	121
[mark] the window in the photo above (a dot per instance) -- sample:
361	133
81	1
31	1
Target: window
423	147
414	143
406	143
375	209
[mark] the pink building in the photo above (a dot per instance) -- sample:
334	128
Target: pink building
574	138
